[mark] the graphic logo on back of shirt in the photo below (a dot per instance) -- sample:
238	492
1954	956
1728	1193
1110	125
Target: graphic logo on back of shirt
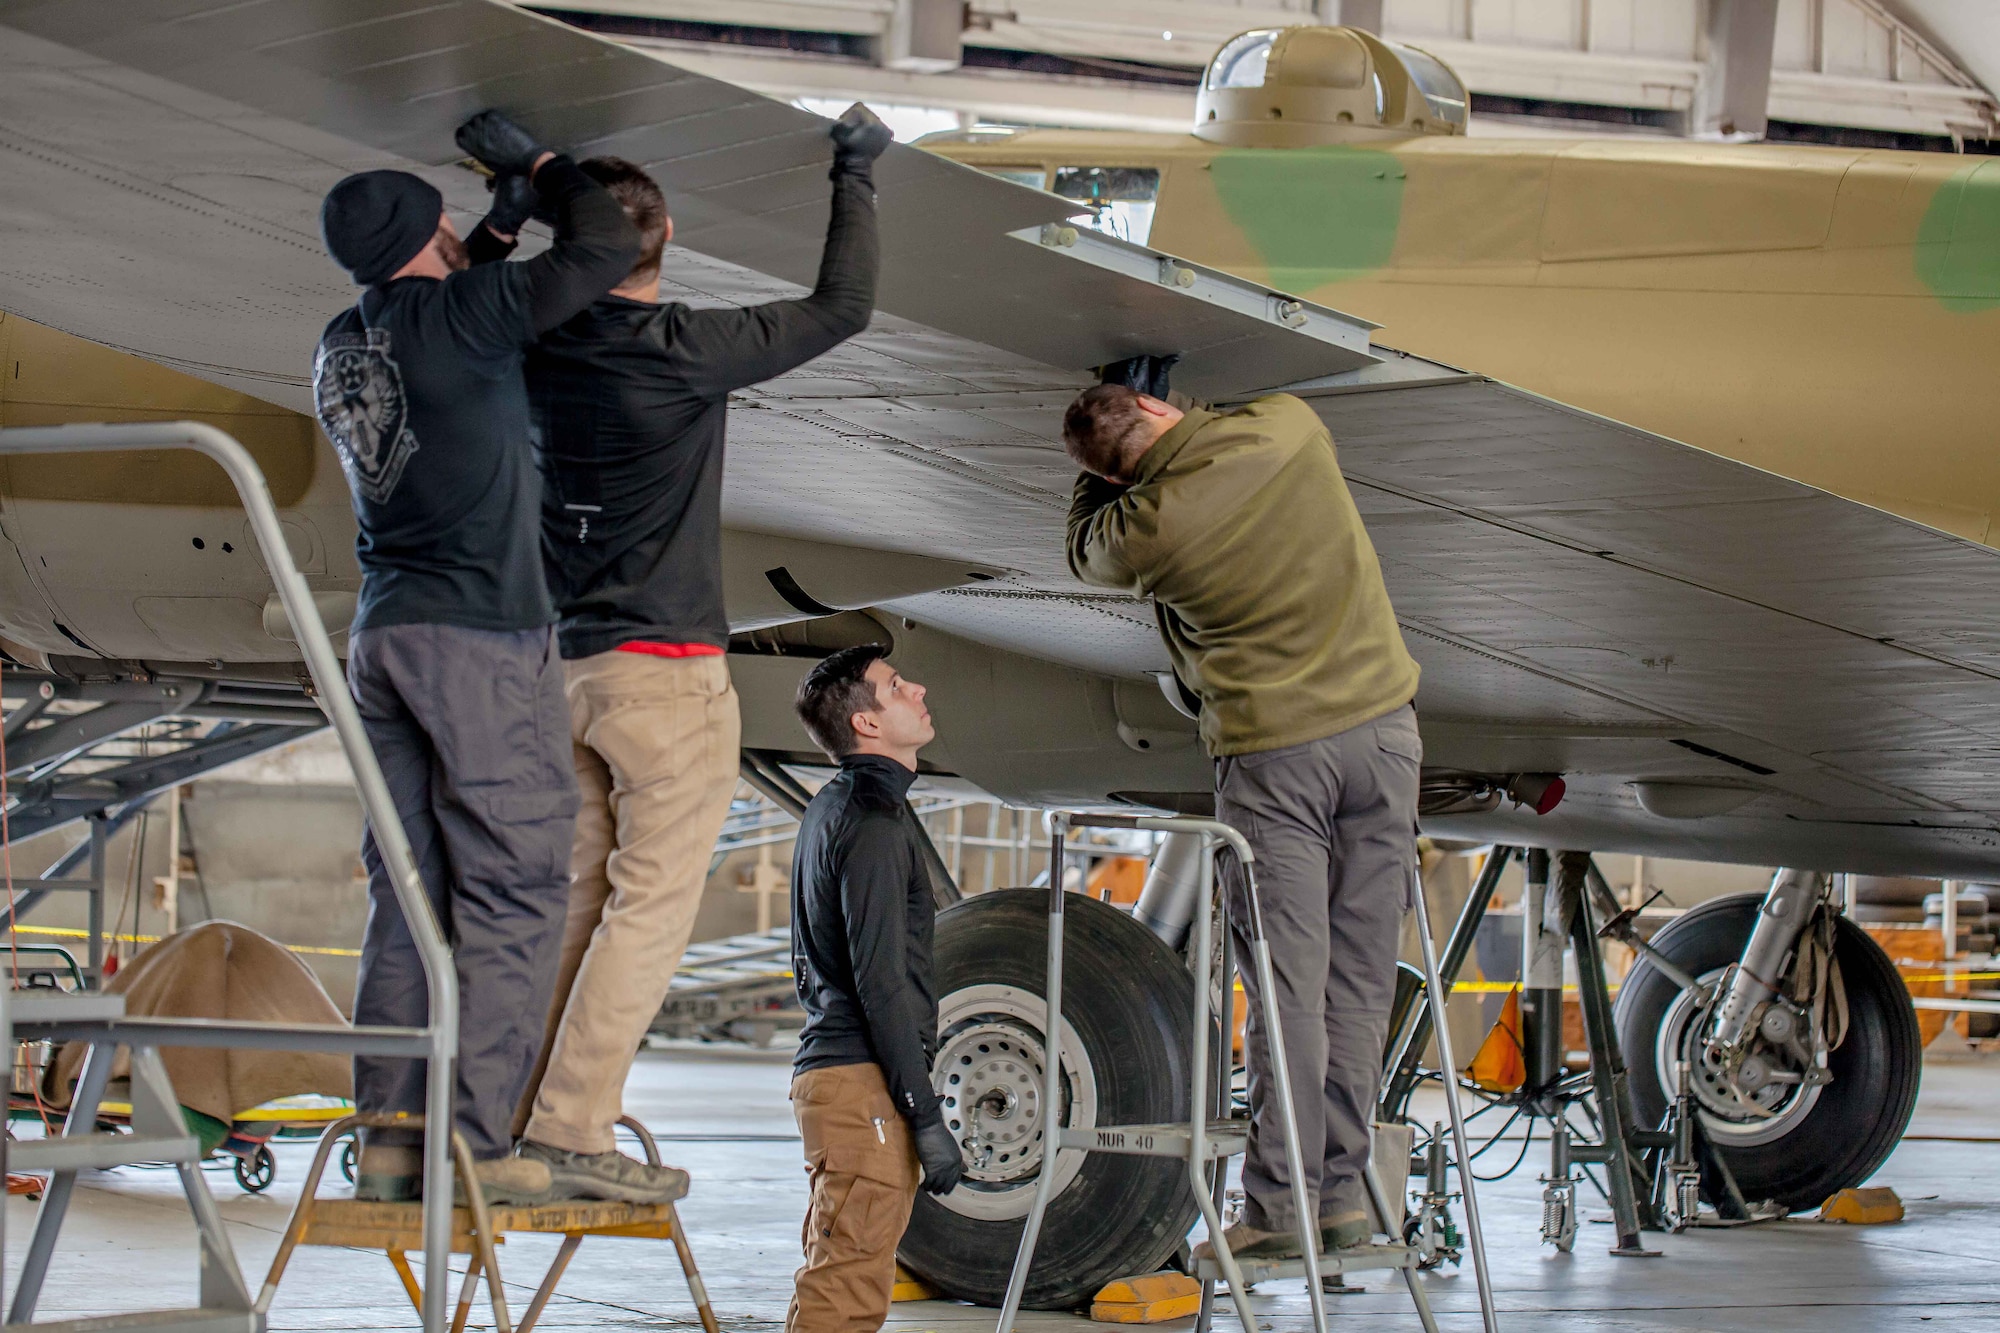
358	393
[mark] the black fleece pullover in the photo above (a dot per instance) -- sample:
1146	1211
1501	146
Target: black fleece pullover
630	402
419	387
862	918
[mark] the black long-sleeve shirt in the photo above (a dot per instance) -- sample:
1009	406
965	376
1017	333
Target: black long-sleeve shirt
419	387
862	918
631	400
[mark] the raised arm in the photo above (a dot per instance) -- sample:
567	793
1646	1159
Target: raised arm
1097	534
595	243
727	349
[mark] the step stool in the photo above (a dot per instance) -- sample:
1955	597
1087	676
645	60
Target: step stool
159	1134
478	1229
1205	1143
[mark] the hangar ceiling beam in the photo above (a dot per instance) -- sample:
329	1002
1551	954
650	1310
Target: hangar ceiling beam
1733	98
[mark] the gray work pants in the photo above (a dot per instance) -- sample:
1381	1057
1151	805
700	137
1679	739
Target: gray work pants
472	732
1333	826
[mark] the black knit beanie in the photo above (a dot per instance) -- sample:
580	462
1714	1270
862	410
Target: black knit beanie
377	221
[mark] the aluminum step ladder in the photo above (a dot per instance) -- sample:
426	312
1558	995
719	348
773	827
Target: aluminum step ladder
1205	1143
159	1134
436	1043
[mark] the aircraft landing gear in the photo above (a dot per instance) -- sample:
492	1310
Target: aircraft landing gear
1800	1088
1125	1041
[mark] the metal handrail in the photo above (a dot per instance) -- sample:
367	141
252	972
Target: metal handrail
440	1038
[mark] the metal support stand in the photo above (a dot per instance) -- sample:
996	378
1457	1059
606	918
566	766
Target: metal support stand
1410	1036
1623	1180
437	1043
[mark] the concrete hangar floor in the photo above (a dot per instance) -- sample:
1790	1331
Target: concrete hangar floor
722	1113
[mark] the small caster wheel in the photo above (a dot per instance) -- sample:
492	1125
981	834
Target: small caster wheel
256	1173
349	1153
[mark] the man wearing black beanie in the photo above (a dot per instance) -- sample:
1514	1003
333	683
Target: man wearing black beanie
452	655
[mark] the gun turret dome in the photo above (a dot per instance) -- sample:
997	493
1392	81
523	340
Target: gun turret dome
1293	87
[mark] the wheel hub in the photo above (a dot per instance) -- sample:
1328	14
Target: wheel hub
1749	1104
990	1073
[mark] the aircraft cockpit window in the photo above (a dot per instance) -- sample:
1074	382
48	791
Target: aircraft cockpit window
1032	177
1240	64
1119	199
1440	87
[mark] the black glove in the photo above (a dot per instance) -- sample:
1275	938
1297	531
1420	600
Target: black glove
504	147
859	137
944	1165
514	201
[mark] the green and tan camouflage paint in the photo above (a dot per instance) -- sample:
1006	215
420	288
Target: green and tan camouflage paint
1829	314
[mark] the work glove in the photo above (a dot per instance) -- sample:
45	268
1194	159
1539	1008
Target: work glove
944	1165
502	146
859	137
514	201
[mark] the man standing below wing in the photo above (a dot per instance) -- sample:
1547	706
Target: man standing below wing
862	921
630	399
451	655
1270	600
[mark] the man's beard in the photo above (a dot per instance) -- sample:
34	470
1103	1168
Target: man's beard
452	250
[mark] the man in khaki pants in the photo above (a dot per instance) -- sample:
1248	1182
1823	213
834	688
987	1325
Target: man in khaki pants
861	952
630	400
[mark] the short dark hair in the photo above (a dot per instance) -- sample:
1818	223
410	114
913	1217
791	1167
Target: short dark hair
835	691
640	196
1099	423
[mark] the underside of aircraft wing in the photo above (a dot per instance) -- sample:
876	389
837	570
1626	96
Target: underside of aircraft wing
1724	662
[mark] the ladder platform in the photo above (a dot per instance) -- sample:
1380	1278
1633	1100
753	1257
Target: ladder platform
400	1226
1226	1138
1354	1259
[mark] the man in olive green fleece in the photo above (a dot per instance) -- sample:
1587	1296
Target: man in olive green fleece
1268	594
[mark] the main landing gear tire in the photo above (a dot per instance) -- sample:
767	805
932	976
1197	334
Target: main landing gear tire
1815	1141
1126	1039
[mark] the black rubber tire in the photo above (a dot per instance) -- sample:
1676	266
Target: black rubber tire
1128	997
1858	1118
256	1173
350	1151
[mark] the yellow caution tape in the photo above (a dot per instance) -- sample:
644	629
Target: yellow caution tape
71	933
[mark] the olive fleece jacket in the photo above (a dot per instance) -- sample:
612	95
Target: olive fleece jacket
1241	529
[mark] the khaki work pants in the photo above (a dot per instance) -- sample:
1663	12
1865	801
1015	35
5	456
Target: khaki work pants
862	1160
655	741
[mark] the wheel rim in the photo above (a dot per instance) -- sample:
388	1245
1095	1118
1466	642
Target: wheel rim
1723	1118
991	1064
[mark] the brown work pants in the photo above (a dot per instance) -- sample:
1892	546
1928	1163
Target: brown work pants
655	741
863	1163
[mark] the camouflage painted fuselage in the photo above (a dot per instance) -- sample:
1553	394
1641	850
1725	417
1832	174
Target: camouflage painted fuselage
1824	313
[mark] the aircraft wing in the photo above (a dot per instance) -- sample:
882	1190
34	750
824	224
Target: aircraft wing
1726	663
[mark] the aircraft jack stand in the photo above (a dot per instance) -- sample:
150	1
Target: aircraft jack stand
478	1229
1205	1144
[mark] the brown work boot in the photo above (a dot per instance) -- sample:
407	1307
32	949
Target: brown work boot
510	1182
606	1175
1247	1242
1344	1231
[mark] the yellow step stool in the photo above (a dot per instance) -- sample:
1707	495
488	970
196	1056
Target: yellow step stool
478	1230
